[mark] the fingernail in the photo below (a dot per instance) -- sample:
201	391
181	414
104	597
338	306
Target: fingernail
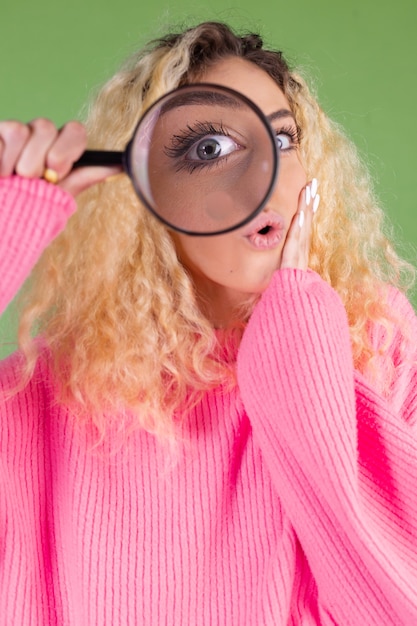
314	186
316	203
301	219
308	195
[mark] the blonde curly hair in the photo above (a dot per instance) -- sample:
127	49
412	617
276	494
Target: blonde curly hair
114	305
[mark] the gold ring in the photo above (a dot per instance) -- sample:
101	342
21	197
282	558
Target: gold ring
51	176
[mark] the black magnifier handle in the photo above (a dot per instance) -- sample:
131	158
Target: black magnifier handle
101	157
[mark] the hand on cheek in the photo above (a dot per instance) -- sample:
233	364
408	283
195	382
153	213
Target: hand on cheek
295	252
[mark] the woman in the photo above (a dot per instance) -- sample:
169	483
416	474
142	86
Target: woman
209	430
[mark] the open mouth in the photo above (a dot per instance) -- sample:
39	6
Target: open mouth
266	231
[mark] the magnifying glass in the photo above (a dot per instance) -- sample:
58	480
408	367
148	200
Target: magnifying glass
203	159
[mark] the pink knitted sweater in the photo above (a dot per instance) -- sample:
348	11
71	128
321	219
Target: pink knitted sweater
294	502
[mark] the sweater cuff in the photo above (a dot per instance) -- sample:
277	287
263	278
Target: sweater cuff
290	276
25	191
32	213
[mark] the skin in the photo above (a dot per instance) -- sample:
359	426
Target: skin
28	149
226	270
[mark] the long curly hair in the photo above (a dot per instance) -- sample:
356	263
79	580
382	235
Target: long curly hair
111	300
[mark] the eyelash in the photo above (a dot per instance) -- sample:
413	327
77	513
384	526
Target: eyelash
293	133
182	143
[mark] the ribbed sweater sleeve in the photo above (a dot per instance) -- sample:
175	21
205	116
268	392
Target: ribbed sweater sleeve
343	457
32	213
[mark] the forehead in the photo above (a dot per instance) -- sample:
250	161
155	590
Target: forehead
250	80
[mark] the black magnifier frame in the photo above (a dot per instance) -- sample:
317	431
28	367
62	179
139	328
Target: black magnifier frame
124	158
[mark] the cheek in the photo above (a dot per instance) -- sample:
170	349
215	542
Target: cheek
294	173
203	256
291	180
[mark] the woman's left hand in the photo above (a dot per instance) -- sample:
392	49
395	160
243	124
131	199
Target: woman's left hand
296	250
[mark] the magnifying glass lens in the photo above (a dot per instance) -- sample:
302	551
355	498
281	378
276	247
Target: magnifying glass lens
203	159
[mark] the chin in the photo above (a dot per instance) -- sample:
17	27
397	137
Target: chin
251	289
261	282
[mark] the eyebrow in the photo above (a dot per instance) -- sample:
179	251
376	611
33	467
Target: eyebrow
213	97
277	115
200	97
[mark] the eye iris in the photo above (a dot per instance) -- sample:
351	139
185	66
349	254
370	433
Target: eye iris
208	149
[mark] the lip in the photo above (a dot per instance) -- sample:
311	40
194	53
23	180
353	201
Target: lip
270	239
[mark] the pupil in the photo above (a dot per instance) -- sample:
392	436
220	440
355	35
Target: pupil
209	149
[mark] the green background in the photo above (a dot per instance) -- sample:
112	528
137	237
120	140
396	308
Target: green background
361	55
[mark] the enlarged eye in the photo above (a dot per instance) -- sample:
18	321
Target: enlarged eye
212	147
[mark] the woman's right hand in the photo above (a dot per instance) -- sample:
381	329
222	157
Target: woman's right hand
29	149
